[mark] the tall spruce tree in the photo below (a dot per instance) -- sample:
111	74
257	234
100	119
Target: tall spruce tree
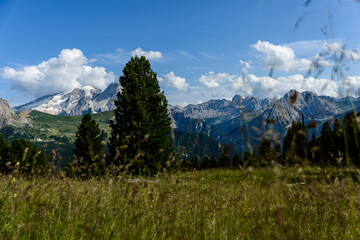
351	131
326	143
225	159
88	150
295	143
140	137
266	152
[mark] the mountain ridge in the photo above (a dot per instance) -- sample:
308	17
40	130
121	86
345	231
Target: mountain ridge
227	121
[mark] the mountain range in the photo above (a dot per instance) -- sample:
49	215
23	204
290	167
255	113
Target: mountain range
239	121
79	101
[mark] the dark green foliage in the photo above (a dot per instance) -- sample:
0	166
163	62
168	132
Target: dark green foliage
277	150
214	163
295	143
236	162
206	163
338	147
5	154
140	136
314	150
338	142
225	159
89	156
195	163
266	152
249	159
326	144
3	143
195	144
351	139
23	157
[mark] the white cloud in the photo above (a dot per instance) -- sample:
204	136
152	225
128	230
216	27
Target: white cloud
209	56
149	55
310	47
224	85
281	57
352	85
120	56
174	81
247	65
212	80
339	49
277	87
65	72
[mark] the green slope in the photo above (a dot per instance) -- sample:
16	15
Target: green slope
56	134
60	126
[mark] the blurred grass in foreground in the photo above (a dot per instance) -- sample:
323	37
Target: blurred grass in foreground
297	203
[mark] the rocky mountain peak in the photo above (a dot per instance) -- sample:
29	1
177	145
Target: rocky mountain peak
8	116
237	99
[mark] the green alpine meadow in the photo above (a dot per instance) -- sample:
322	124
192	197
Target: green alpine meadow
271	203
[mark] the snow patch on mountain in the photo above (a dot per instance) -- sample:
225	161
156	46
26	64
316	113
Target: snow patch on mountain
79	101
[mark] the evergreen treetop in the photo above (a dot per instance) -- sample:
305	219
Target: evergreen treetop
88	150
140	136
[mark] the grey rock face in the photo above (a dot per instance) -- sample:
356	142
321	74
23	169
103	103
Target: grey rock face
220	111
105	101
8	116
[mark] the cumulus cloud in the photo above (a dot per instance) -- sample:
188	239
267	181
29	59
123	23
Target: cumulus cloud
212	80
149	55
174	81
65	72
339	48
224	85
277	87
281	57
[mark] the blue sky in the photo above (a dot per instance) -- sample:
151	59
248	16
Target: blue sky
201	50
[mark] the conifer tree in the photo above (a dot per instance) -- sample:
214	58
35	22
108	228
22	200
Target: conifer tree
314	150
225	159
351	132
236	162
249	159
140	137
214	163
295	143
277	151
266	152
27	158
325	143
89	154
206	163
4	154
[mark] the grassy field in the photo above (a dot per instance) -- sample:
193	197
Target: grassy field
295	203
53	125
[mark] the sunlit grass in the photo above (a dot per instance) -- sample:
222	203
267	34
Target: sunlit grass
214	204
